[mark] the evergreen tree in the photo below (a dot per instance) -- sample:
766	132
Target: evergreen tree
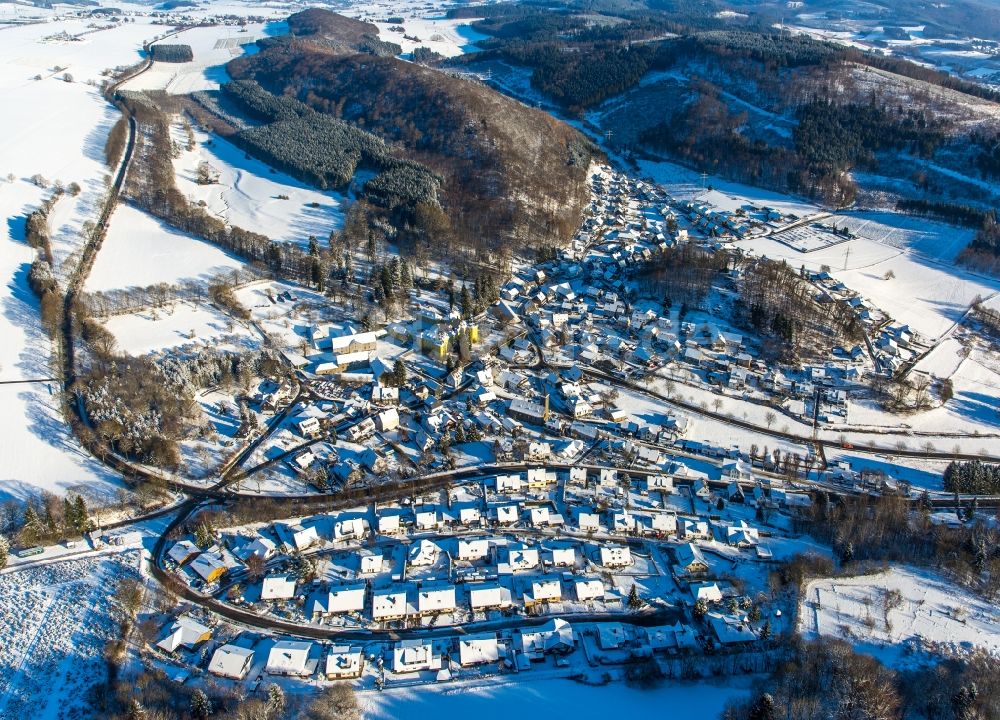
399	373
847	553
204	535
4	552
466	303
979	557
765	631
32	525
275	699
201	706
316	272
460	434
700	608
634	601
313	246
405	276
763	709
69	515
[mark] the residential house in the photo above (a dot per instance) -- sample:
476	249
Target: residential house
337	601
478	649
434	599
289	657
556	636
690	560
414	655
489	597
546	590
278	587
209	566
587	590
616	556
185	632
344	662
391	604
231	661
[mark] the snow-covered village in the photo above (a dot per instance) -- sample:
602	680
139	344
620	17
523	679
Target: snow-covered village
375	359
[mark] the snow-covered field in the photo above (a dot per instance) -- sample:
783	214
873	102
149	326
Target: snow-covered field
250	195
930	614
55	129
140	250
180	326
212	47
54	623
553	698
928	292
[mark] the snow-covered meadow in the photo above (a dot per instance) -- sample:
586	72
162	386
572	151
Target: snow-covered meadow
925	613
54	623
140	250
248	194
553	698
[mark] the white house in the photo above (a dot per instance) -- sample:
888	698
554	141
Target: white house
522	558
478	649
349	529
547	590
391	604
336	601
309	428
231	661
277	587
436	599
343	662
489	597
423	554
616	556
414	655
387	420
563	556
476	549
508	483
707	591
555	636
369	563
660	483
289	657
696	530
589	590
508	514
589	522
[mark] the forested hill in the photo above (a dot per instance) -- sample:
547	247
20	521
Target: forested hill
512	177
337	32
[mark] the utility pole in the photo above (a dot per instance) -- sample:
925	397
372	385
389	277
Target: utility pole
847	256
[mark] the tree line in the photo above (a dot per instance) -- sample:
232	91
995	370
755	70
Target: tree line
172	53
972	477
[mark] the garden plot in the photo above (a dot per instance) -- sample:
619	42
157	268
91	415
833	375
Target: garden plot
184	327
926	613
249	194
56	621
140	250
